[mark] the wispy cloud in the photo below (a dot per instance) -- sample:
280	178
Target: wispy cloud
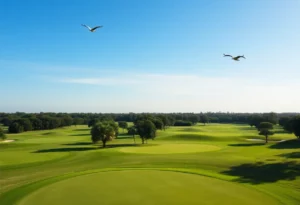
100	81
165	92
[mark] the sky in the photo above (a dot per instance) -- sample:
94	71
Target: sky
149	56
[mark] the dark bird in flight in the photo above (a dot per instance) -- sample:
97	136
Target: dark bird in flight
91	29
234	58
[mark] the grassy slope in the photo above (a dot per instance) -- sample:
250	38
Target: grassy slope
268	168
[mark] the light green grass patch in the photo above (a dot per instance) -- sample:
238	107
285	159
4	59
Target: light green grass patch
170	149
24	157
145	187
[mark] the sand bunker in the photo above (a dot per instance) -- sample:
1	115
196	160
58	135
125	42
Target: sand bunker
7	141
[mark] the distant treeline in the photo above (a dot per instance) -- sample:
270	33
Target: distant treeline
19	121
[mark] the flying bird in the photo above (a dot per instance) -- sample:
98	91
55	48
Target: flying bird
91	29
234	58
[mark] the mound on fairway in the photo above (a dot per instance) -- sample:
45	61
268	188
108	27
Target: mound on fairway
24	157
135	187
171	148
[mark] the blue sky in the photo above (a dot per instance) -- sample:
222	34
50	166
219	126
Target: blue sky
150	56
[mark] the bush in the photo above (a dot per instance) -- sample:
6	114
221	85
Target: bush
2	135
183	123
15	127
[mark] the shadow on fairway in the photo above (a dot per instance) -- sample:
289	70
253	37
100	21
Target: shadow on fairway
260	172
281	132
246	144
99	145
65	149
108	146
292	155
289	144
81	135
80	130
78	143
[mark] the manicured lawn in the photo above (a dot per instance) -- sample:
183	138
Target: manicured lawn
170	149
50	166
145	187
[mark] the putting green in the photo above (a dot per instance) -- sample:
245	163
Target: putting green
145	187
171	148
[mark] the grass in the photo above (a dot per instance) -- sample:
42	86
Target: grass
170	149
37	161
144	187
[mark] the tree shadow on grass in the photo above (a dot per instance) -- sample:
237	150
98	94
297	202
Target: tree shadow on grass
81	135
78	143
81	130
108	146
289	144
281	132
293	155
65	149
259	173
246	144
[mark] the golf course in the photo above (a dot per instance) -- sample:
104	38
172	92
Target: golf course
201	164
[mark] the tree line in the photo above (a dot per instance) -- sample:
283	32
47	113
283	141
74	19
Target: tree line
20	121
29	122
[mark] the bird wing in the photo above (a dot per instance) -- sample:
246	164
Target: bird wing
96	27
240	57
86	26
227	55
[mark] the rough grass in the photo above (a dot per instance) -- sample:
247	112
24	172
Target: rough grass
271	169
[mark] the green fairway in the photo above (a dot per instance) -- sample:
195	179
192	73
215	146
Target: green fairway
23	157
220	165
171	149
145	187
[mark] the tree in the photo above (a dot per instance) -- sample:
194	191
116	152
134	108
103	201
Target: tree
204	119
171	121
54	122
78	121
271	117
146	129
285	122
123	125
15	127
26	123
36	123
296	126
132	131
102	131
6	121
264	129
2	134
193	118
165	120
182	123
92	122
158	124
66	120
255	120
